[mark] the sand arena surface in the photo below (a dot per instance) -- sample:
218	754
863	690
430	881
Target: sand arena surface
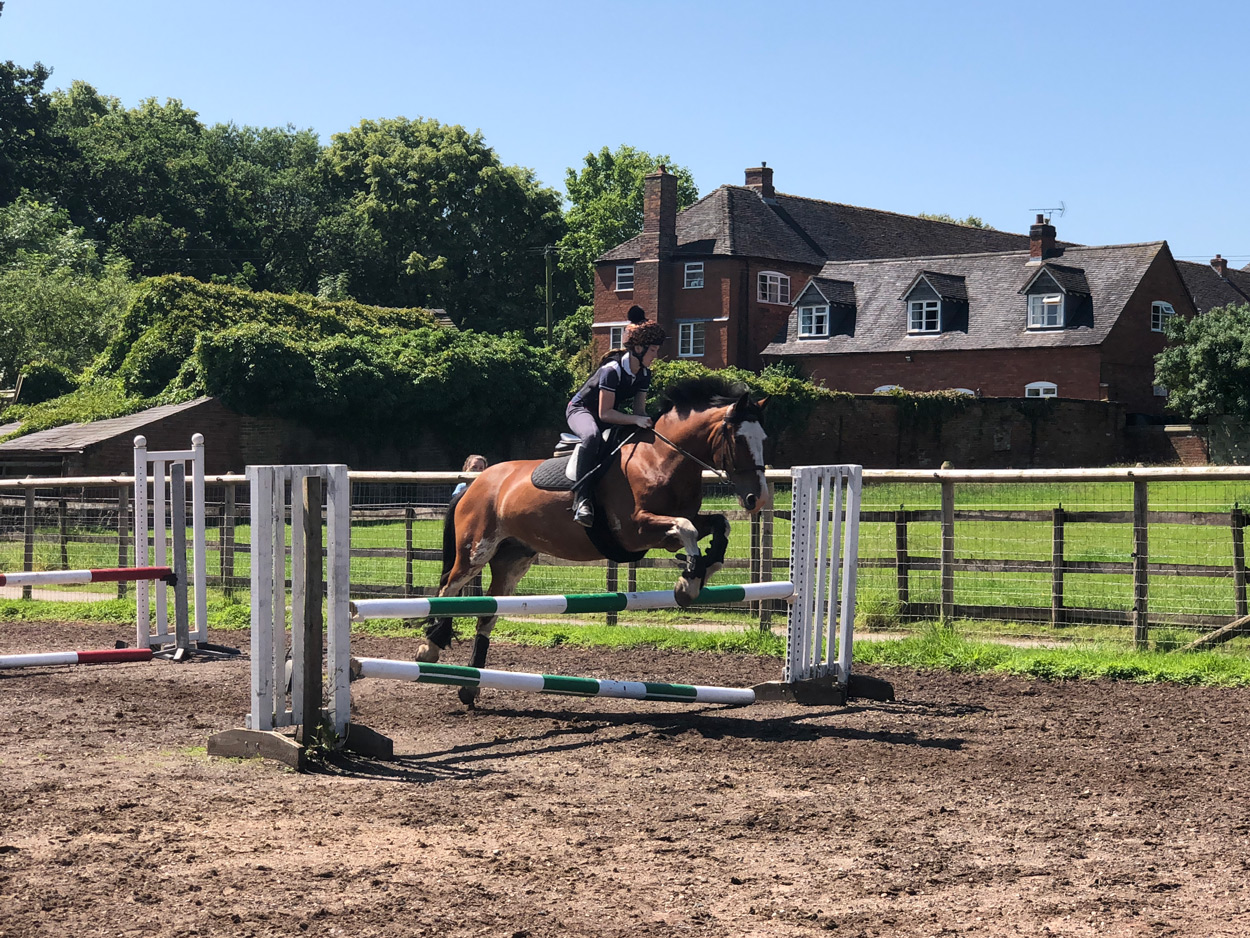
971	806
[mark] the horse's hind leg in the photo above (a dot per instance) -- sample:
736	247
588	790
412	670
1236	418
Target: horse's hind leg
511	562
438	633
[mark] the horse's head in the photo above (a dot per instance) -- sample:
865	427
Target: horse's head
740	452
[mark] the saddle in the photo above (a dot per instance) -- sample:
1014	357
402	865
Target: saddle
561	472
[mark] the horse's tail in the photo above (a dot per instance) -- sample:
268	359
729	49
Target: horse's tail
449	538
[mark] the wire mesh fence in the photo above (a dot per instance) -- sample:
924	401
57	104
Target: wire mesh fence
1136	549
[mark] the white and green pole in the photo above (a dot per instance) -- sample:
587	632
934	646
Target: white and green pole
555	605
424	673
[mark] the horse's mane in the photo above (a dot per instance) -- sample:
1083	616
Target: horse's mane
691	394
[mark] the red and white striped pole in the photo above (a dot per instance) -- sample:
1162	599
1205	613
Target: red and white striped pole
103	656
76	577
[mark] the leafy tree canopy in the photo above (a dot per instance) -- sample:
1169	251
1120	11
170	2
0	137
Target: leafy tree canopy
972	221
606	198
432	218
59	298
29	145
1206	366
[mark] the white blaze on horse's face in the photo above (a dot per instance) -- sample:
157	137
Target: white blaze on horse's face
753	435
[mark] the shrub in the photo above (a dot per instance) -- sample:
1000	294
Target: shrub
44	381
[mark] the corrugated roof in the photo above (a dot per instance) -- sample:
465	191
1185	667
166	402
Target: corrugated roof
996	314
76	437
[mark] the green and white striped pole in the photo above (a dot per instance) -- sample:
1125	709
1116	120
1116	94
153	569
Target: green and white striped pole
424	673
557	604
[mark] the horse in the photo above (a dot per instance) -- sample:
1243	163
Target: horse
650	494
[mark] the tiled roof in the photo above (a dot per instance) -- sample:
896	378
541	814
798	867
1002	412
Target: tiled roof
1070	279
947	286
737	221
76	437
1209	290
996	314
835	292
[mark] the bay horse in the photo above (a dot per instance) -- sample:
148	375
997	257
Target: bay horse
650	495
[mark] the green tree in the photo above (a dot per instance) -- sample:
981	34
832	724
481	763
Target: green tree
59	298
972	221
30	148
432	218
1206	366
605	206
278	196
149	183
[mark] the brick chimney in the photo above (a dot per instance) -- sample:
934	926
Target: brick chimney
761	180
1041	240
659	215
1221	266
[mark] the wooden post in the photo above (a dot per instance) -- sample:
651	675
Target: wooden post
1141	557
613	581
1056	568
755	559
631	577
28	536
902	562
123	533
229	516
309	617
948	550
1237	520
409	515
62	512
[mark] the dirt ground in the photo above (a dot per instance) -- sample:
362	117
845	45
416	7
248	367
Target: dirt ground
972	805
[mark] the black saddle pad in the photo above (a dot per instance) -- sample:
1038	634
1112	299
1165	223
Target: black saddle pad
549	475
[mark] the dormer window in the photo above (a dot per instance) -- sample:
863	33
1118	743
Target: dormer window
1045	310
924	316
624	277
813	322
774	287
1160	313
1041	389
694	275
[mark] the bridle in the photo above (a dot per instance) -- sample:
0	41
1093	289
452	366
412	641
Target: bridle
727	453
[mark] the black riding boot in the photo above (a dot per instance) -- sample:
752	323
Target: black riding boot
583	508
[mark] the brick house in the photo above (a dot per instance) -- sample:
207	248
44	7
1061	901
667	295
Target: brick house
720	275
1052	320
1213	284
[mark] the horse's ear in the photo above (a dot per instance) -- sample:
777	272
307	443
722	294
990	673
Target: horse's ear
761	402
740	407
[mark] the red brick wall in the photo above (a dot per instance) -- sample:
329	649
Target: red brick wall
1130	349
882	432
995	372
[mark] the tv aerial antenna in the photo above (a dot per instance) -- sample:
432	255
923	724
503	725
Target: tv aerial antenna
1048	212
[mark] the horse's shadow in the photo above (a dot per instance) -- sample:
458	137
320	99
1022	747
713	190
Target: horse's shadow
579	730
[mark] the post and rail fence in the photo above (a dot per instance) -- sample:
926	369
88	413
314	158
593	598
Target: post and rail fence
1139	548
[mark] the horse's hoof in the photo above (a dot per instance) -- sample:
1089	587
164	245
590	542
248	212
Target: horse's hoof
427	652
468	696
686	592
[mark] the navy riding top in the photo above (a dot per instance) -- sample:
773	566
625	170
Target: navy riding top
611	376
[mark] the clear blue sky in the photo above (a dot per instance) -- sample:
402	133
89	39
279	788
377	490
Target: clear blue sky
1130	113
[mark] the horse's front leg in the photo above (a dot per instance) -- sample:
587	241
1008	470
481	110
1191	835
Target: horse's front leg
718	527
511	562
674	534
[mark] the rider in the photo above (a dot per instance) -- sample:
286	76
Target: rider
623	377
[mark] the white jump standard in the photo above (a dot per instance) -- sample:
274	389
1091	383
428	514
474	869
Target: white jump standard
824	565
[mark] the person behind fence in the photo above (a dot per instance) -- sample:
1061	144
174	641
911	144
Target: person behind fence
474	463
621	380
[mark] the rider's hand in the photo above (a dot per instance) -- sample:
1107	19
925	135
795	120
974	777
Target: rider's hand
642	420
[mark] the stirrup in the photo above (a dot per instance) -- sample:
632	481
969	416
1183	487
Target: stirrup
584	513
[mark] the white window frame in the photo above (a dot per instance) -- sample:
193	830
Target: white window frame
1041	389
692	339
616	336
773	287
1160	390
624	278
918	317
813	322
1044	307
694	276
1160	312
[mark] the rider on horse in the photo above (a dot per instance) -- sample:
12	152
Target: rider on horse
623	377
